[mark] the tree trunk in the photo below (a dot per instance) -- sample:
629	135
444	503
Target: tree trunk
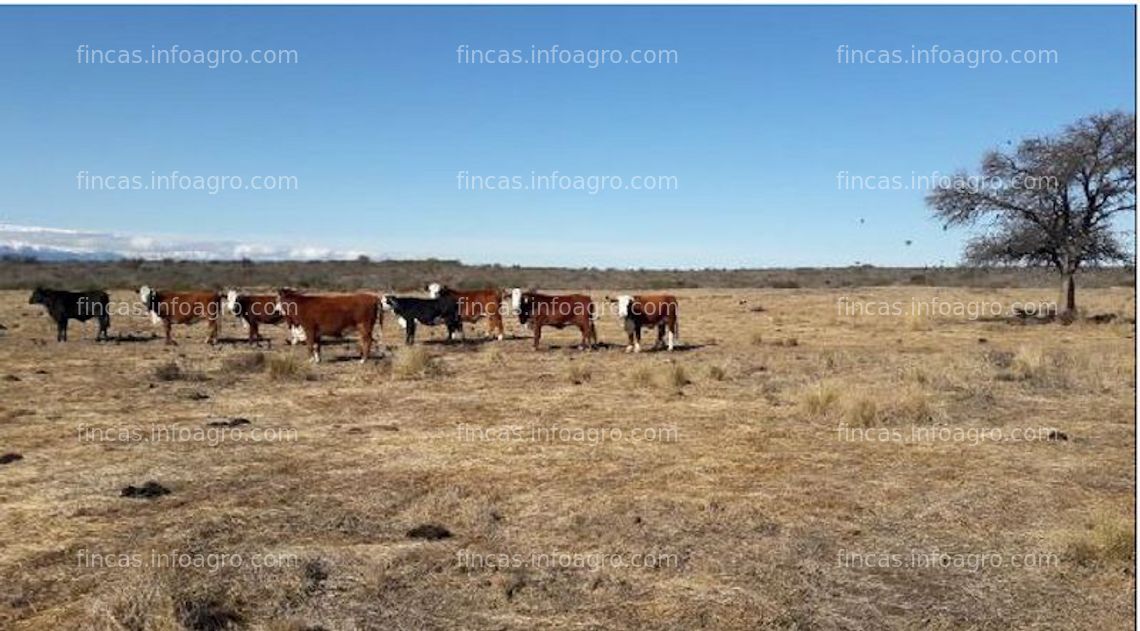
1068	305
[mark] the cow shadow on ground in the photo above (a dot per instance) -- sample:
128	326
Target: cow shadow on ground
459	343
130	338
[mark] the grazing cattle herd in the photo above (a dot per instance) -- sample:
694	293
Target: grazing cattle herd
311	316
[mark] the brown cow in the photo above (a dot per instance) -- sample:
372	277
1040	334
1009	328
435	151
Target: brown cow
183	307
475	304
330	314
557	311
254	310
652	310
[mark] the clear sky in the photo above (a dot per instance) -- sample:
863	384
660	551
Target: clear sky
751	128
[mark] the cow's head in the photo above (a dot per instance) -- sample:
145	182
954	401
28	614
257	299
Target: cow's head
525	304
282	294
388	303
232	302
623	303
39	297
148	297
434	290
516	299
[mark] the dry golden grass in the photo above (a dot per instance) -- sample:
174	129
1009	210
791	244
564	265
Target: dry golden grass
753	467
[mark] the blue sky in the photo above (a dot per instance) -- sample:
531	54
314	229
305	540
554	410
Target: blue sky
754	123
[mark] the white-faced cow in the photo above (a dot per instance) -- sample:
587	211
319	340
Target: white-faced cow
475	305
182	307
539	310
330	315
72	305
648	310
254	310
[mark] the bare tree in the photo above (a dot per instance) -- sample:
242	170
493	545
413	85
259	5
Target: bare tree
1051	201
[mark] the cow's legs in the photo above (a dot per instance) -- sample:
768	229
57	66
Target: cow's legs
660	343
61	330
537	335
213	336
634	338
166	325
410	332
104	324
313	343
365	333
254	335
671	335
496	321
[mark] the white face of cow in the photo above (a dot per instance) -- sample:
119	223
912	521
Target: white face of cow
385	304
623	303
144	295
231	301
516	299
434	289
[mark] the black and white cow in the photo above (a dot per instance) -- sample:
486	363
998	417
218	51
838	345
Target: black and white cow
72	305
427	311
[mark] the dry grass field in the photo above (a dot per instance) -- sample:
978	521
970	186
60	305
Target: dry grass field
790	467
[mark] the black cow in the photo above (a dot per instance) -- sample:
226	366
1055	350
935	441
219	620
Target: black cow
74	305
427	311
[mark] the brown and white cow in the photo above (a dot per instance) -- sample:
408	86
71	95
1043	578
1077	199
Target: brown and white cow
475	304
254	310
651	310
182	307
541	310
331	315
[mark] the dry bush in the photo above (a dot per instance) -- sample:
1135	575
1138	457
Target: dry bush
1042	368
578	374
676	377
289	367
863	412
413	362
912	405
1107	539
819	400
244	363
171	371
716	372
641	377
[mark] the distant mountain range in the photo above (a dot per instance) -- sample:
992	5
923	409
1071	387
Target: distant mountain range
57	244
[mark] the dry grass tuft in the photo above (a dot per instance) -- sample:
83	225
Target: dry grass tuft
171	371
413	362
641	377
1107	539
578	374
757	338
717	372
244	363
863	412
289	367
676	377
819	400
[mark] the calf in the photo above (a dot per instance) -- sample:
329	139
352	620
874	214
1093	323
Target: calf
183	307
541	310
254	310
331	315
72	305
428	311
473	305
652	310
